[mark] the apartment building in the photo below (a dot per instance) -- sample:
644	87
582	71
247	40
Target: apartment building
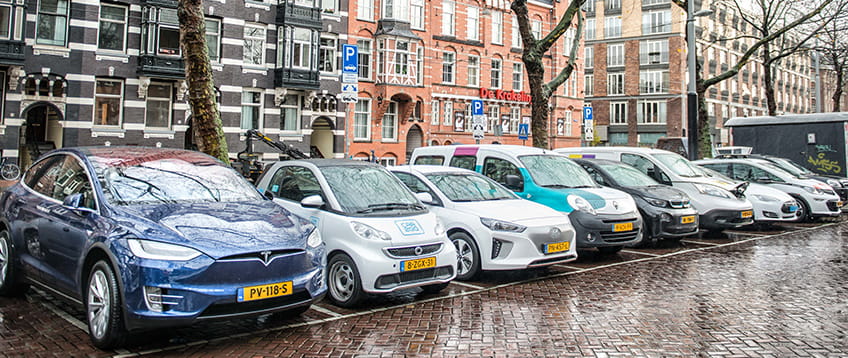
91	73
421	64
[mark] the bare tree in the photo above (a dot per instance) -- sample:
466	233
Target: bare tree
206	119
832	47
794	19
533	55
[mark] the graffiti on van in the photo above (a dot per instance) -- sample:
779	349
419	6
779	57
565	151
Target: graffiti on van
822	148
824	165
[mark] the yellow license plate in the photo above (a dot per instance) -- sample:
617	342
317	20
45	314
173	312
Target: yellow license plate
747	213
417	264
687	219
622	227
839	204
557	247
264	291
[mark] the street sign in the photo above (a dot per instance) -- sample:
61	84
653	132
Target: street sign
477	107
348	97
350	58
350	78
478	126
350	87
523	131
588	124
587	113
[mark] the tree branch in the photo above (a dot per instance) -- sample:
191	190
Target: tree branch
545	44
566	71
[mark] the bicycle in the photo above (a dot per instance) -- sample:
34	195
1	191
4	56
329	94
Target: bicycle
9	170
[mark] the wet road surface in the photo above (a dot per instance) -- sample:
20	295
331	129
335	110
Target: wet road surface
774	292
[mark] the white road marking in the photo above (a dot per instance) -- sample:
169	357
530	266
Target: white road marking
325	311
467	285
641	253
699	242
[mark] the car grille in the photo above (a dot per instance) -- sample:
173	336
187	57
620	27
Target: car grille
679	204
272	254
410	250
408	277
258	306
620	236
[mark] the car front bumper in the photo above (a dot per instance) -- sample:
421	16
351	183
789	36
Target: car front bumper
515	251
597	230
665	223
725	219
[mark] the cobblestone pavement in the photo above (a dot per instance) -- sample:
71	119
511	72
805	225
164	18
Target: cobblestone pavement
747	293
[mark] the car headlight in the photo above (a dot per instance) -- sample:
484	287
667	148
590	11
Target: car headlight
370	233
713	190
765	198
498	225
155	250
811	189
657	202
439	230
580	204
314	239
834	183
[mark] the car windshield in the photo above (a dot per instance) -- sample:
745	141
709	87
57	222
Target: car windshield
776	170
790	167
469	187
175	177
678	165
362	189
553	171
627	176
714	174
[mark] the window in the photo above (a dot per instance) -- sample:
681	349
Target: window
448	64
419	65
362	119
569	123
251	110
639	162
496	73
653	52
113	21
301	48
329	6
590	29
158	109
497	27
364	59
618	113
448	114
615	55
390	122
108	95
589	56
516	36
474	71
589	85
472	23
6	22
254	44
434	113
589	6
52	26
430	160
416	185
568	41
615	83
416	14
654	2
365	10
613	4
498	169
536	28
467	118
517	76
160	32
654	22
651	112
213	39
402	57
327	55
653	81
468	162
290	114
514	119
396	9
493	118
294	183
612	27
448	11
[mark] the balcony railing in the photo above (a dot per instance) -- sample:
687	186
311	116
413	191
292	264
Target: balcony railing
161	66
12	52
296	78
291	14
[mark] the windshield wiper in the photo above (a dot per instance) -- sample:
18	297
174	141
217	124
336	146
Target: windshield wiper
556	186
389	206
583	186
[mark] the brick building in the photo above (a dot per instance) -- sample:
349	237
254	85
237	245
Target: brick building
422	63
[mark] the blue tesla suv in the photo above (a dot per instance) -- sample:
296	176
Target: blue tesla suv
145	238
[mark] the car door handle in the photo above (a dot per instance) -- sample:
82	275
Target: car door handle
66	229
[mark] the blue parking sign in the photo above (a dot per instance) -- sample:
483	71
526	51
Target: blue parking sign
350	58
477	107
587	113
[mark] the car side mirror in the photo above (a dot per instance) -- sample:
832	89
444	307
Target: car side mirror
268	194
514	182
312	201
74	203
425	198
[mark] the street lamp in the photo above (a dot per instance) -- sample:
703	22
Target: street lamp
692	95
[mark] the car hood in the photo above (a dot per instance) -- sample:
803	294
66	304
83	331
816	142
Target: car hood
517	211
220	229
760	189
657	192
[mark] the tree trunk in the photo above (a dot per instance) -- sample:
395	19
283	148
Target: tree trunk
705	140
837	95
206	119
540	115
768	81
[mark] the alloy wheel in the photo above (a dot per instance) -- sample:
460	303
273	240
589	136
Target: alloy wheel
4	258
464	255
99	304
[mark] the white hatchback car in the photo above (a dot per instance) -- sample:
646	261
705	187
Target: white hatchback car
380	237
491	227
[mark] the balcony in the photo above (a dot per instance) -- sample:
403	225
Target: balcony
296	78
11	52
161	66
160	3
296	15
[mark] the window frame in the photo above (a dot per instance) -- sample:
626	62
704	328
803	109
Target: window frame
259	105
390	115
120	105
100	29
473	70
448	18
615	80
251	39
149	98
66	16
496	74
448	67
613	114
497	27
362	115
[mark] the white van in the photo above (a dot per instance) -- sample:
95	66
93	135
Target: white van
604	218
720	206
380	237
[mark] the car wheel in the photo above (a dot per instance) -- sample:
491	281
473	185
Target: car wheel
344	282
467	254
9	285
804	208
434	288
103	307
609	250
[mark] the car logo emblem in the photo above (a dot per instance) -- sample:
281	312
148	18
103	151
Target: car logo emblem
615	204
418	251
265	256
555	233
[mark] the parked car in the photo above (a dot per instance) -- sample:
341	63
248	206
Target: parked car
816	199
604	218
665	210
839	184
146	238
380	238
491	227
720	204
770	205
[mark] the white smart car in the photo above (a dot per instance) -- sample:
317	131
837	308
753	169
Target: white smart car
491	227
380	237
